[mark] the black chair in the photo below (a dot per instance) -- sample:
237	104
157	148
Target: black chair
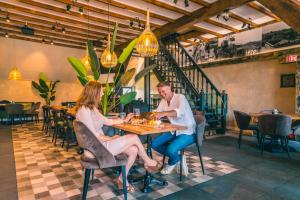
14	111
101	157
200	130
59	125
243	122
68	133
46	120
33	113
277	127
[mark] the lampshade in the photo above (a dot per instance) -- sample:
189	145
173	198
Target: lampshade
14	74
109	59
147	44
86	60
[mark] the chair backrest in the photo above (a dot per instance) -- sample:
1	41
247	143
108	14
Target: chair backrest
275	125
242	119
200	128
88	141
14	109
35	107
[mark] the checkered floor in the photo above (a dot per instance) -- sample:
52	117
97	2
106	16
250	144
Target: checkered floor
45	171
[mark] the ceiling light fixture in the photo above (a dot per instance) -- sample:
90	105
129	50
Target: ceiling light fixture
68	7
7	19
14	74
147	44
108	58
63	30
186	2
51	42
6	35
224	15
80	10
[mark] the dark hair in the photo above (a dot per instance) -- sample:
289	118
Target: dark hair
163	84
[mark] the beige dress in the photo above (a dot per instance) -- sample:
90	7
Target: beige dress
94	120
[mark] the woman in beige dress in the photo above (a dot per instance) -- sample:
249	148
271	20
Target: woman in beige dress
88	113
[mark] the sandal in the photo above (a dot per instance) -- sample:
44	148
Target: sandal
154	169
129	187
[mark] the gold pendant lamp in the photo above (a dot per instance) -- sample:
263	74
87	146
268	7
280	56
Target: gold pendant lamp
14	74
86	61
109	58
147	44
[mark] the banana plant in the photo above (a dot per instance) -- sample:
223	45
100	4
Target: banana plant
47	90
111	98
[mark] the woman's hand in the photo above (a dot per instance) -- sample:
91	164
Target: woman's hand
128	117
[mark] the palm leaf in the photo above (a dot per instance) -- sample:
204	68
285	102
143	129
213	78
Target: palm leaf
127	98
54	84
143	72
44	85
83	80
78	66
95	64
113	41
126	78
37	86
127	51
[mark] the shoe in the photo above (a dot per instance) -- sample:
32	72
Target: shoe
130	188
168	169
153	169
185	169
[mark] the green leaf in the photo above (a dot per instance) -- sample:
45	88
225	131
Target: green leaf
95	64
83	80
127	51
36	86
127	98
104	103
143	72
125	78
113	41
54	84
44	85
78	66
44	95
52	98
43	77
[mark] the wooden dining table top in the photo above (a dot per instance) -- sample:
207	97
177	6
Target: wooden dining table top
294	116
143	129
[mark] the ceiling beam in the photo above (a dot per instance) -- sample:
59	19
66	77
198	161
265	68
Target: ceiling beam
219	24
286	10
263	10
242	19
204	30
168	6
192	34
138	10
201	2
198	15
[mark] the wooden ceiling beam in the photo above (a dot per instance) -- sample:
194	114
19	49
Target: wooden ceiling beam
263	10
61	18
198	16
71	28
242	19
201	2
219	24
287	10
168	6
2	34
103	10
192	34
204	30
138	10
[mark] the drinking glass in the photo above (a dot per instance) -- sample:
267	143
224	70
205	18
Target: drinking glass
136	114
122	115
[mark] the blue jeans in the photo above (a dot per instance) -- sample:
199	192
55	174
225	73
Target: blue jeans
169	145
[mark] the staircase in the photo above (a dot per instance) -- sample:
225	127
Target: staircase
176	66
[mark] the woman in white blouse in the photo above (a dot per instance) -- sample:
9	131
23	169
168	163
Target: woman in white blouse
88	113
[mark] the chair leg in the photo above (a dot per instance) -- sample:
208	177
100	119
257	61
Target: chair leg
240	138
93	172
181	162
124	181
163	162
86	183
262	142
200	157
287	147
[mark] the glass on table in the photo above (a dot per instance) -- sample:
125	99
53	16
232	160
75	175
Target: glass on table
136	116
122	115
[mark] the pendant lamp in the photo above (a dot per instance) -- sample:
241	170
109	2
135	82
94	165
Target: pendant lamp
147	44
14	74
109	59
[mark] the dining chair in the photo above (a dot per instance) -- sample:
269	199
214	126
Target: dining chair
243	123
200	130
68	132
59	124
33	112
100	156
46	119
14	111
277	127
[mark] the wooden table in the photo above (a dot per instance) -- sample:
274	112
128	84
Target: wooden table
148	131
293	116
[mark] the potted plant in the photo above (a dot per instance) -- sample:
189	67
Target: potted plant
47	90
111	97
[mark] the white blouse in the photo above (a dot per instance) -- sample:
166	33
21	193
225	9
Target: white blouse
94	120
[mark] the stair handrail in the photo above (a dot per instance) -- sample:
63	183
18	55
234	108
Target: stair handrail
174	38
